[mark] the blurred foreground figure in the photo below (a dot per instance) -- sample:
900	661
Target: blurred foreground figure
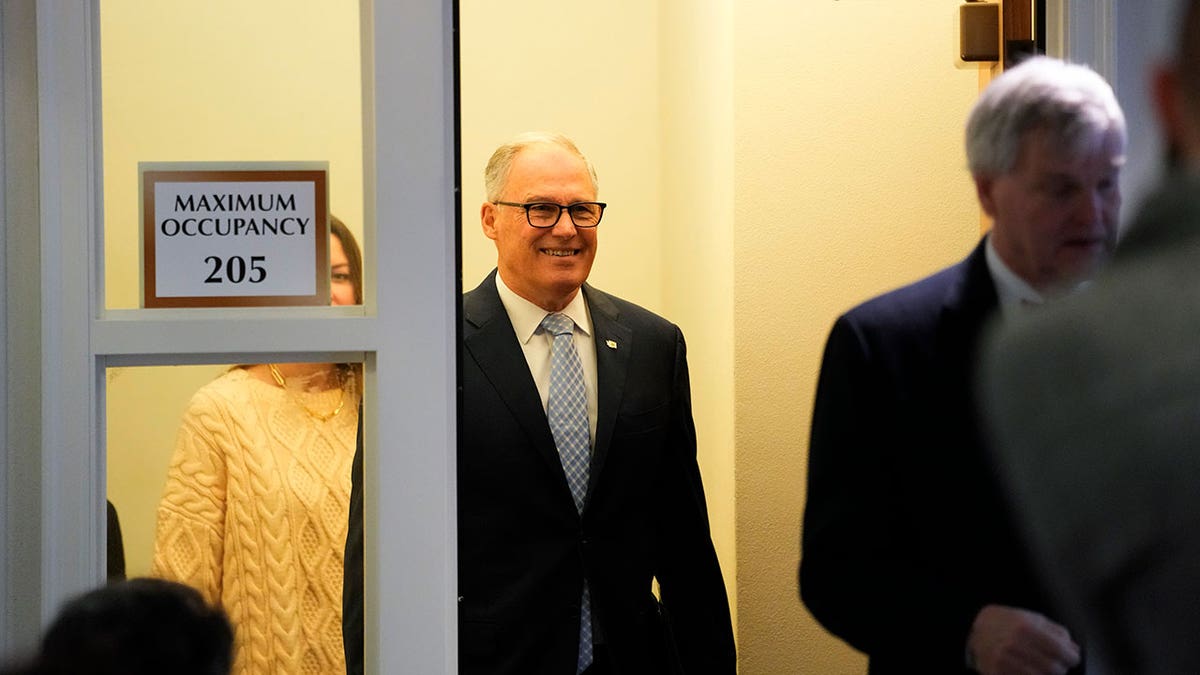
137	627
909	554
1095	405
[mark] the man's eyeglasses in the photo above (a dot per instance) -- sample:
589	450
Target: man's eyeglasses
544	215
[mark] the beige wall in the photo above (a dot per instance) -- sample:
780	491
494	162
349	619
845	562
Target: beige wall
224	80
590	71
697	206
850	180
221	80
144	409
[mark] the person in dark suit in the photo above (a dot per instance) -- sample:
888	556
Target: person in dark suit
352	580
1094	408
577	477
909	554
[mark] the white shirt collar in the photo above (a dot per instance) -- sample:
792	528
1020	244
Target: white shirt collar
1011	289
526	316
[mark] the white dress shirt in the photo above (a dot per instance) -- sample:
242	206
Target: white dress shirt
1012	291
526	319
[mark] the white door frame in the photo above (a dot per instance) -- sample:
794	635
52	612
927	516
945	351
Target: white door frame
21	363
1083	31
406	333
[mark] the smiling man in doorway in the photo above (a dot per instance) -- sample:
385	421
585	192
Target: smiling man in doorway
909	554
577	475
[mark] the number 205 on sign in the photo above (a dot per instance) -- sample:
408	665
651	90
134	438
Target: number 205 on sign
235	269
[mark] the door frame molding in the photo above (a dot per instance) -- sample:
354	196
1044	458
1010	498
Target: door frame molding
1084	31
406	333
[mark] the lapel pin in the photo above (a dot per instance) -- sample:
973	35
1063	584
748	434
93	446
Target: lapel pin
612	344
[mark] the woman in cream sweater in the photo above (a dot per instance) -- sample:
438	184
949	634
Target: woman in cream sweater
254	513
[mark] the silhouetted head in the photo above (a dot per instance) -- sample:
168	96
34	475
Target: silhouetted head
141	626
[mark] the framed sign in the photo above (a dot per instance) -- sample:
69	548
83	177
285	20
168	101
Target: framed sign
234	234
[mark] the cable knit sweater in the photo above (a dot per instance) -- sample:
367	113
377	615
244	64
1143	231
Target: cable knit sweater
254	514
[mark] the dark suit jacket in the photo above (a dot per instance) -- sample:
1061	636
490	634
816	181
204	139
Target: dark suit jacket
116	548
905	534
352	577
1095	408
524	550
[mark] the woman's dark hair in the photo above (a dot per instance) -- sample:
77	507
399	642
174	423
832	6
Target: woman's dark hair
353	254
353	371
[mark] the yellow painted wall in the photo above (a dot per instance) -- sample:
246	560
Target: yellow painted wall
144	409
224	80
221	80
696	128
850	180
590	71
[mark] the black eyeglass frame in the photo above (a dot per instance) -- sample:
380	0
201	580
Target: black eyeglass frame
561	208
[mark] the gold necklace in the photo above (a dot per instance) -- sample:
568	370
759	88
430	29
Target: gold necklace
315	415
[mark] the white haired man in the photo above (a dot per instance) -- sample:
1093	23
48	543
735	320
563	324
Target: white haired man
909	554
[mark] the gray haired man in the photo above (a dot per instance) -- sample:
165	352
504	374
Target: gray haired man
908	551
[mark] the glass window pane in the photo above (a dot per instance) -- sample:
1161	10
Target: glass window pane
226	81
237	480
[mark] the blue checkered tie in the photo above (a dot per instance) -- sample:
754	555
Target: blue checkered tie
566	411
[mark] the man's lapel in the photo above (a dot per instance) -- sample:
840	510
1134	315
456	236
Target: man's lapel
491	342
614	345
968	304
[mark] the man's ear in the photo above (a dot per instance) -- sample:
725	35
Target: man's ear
983	190
1178	113
1168	103
487	218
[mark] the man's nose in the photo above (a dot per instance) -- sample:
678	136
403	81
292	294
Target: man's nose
565	227
1090	206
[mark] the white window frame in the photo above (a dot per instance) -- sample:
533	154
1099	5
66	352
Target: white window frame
406	333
